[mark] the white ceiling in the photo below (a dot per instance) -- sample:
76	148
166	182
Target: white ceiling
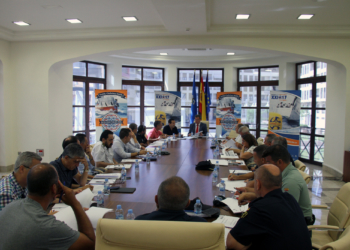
103	18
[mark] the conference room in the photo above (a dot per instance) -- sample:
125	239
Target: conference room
44	63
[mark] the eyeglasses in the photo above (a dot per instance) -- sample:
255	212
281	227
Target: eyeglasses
25	166
75	160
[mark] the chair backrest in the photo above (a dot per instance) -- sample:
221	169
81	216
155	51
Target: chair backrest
91	147
299	165
260	141
339	213
343	243
233	134
307	178
207	124
133	235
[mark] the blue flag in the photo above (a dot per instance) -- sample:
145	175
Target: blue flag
194	102
207	97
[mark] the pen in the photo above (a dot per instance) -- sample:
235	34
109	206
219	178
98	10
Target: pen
229	227
59	201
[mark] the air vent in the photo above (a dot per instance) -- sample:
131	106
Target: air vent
198	49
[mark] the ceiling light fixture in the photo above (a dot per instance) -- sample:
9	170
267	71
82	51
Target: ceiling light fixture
242	16
73	20
230	53
305	16
21	23
130	18
163	54
268	70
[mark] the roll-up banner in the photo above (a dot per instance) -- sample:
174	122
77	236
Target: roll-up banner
168	105
228	112
284	118
111	111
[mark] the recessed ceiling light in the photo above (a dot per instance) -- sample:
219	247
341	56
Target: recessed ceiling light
242	16
230	53
268	70
154	73
306	16
21	23
163	54
73	20
130	18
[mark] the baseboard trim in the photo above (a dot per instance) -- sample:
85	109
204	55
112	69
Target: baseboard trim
7	168
333	171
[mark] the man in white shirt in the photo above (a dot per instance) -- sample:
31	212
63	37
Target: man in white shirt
133	141
102	151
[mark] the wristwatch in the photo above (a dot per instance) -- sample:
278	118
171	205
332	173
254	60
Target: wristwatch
138	153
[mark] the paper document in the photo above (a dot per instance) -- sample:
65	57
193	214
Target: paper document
232	185
229	144
229	156
126	166
157	143
85	197
173	140
221	162
94	213
229	223
236	162
240	171
233	205
149	149
108	176
129	160
97	188
101	181
191	213
59	206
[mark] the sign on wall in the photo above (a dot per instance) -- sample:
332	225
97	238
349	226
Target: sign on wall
284	118
168	105
110	110
228	111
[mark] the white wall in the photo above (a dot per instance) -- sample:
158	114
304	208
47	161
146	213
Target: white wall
34	125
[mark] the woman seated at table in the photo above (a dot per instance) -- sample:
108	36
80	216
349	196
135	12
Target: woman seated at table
140	136
249	144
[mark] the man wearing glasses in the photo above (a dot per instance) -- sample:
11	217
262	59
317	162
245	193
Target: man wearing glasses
14	186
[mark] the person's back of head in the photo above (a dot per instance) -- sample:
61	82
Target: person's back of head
269	138
26	159
259	150
141	128
250	139
173	194
280	141
277	152
133	126
73	150
124	132
70	139
269	176
243	130
81	137
105	134
40	179
156	123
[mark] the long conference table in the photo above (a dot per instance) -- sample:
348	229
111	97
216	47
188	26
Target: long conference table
182	161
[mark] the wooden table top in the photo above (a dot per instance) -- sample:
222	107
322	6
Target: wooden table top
184	155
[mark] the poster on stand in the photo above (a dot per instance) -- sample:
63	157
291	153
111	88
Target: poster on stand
168	105
228	112
110	111
284	118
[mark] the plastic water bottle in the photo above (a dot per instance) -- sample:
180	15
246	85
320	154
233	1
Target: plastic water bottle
119	213
137	167
222	188
123	177
217	167
130	215
215	176
164	145
173	136
148	159
105	186
160	150
198	207
216	139
217	152
100	199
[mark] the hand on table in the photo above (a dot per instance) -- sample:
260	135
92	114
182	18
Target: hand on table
246	197
232	177
143	152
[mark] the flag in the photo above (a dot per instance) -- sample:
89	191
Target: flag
201	99
194	102
207	97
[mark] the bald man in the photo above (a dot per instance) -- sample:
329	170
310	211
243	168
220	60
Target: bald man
273	221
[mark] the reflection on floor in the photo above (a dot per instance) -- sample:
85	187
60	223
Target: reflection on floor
323	189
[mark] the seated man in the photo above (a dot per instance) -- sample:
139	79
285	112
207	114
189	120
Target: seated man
122	149
282	141
141	138
238	126
84	143
13	186
292	181
172	199
25	224
102	151
274	220
70	139
171	129
257	155
67	165
268	139
133	141
197	127
155	133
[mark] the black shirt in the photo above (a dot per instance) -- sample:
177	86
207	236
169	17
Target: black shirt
273	222
169	215
168	131
141	138
65	175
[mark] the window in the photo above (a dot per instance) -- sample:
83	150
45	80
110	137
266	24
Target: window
313	86
185	85
141	83
256	84
87	76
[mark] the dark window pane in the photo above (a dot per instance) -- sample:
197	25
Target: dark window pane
96	70
78	93
78	119
131	73
269	74
153	75
79	69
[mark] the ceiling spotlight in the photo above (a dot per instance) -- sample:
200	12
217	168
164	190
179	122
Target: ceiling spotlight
21	23
73	20
268	70
130	18
306	16
242	16
230	53
163	54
